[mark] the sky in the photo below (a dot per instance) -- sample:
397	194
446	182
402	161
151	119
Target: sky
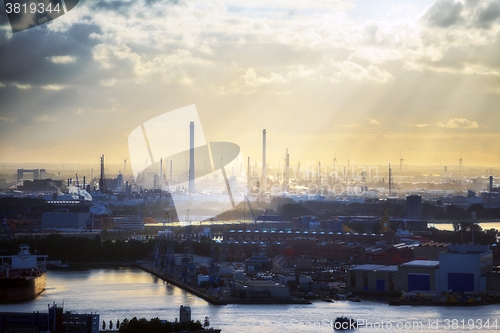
365	81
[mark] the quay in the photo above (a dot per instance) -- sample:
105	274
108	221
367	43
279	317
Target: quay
225	299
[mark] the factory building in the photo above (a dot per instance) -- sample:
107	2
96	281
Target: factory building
374	278
414	207
128	222
429	251
54	321
418	275
258	263
463	268
259	290
394	254
36	173
41	185
63	219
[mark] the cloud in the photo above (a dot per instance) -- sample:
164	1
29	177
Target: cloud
44	118
458	37
22	86
2	85
373	121
251	78
444	13
488	14
55	87
108	82
353	71
455	123
63	59
7	120
459	123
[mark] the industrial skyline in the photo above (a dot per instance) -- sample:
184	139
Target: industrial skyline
412	83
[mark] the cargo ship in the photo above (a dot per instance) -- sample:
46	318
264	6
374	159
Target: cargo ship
22	276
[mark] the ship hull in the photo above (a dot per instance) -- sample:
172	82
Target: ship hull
21	288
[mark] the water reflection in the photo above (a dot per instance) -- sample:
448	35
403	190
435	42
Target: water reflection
127	293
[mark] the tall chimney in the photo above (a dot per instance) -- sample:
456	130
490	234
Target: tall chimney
264	160
191	188
161	172
390	179
101	180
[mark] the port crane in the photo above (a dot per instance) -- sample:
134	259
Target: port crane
7	230
216	263
347	229
227	183
250	209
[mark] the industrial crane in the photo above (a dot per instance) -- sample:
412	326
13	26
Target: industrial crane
7	230
250	208
385	220
349	230
227	183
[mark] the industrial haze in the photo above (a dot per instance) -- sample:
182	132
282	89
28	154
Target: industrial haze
369	82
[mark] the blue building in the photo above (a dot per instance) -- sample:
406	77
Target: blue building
463	268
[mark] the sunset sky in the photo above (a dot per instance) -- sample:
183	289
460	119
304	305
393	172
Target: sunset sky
364	80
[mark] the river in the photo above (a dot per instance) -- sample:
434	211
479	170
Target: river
128	292
449	226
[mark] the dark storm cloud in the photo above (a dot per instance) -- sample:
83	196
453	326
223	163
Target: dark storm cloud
25	57
489	14
444	13
130	8
115	6
152	2
473	13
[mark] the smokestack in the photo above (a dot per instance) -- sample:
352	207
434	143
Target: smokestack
264	160
101	180
161	168
191	188
390	179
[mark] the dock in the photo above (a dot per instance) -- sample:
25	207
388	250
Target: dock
226	300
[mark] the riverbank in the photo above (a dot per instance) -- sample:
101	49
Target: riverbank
446	299
83	266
